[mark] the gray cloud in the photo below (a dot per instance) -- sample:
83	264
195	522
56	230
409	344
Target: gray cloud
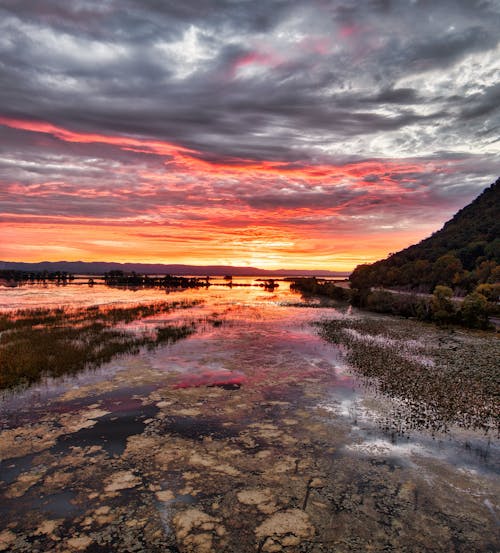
101	67
296	82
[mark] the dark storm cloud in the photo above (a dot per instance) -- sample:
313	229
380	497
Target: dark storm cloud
483	104
176	70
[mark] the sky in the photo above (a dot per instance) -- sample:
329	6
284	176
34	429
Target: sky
293	134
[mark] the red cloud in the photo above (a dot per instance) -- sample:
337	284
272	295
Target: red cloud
211	210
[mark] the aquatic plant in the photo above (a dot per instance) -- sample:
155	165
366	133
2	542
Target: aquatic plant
440	378
122	279
58	341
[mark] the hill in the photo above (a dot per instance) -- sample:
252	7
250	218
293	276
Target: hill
101	267
463	254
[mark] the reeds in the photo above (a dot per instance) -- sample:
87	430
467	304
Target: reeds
38	342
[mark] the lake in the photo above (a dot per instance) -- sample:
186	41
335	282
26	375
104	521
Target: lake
252	434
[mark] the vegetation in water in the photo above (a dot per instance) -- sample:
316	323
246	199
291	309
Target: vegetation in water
316	287
441	378
120	278
12	276
54	342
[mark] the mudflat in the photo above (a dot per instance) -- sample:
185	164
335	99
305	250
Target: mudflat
252	434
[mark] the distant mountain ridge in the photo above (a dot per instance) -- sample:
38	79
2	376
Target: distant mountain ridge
101	267
464	253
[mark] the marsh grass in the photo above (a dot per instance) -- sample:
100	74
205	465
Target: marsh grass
440	378
59	341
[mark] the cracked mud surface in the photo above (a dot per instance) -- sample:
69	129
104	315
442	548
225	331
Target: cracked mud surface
146	455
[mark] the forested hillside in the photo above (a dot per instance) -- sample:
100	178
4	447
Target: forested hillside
463	255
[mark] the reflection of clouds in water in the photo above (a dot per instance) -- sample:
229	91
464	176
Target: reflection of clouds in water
462	449
385	448
165	511
349	407
51	387
167	504
252	337
491	509
214	377
51	295
362	421
76	295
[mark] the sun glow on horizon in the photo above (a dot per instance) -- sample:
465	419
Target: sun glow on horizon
281	135
38	241
176	207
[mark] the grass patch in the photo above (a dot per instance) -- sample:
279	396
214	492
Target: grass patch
55	342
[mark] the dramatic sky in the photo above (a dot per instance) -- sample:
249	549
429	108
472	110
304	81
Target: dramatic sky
272	133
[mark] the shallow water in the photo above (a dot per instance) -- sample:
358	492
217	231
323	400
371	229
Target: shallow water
251	434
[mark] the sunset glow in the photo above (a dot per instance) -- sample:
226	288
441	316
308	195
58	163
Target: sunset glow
292	137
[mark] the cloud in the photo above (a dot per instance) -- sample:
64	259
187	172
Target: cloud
334	110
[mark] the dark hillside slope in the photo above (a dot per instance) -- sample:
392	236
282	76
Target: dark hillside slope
463	254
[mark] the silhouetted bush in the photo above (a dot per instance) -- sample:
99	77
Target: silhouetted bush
442	309
313	286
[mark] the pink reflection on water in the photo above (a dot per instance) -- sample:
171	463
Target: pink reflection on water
220	377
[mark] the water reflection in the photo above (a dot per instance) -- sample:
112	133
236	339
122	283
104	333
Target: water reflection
244	334
255	406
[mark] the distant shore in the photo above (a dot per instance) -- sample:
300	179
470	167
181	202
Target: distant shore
101	267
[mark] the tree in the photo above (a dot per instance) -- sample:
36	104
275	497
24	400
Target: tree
442	308
485	270
490	291
492	250
446	270
361	277
470	253
474	311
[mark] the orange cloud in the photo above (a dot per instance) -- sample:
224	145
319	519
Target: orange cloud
270	214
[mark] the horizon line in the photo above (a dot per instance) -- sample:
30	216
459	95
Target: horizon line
188	265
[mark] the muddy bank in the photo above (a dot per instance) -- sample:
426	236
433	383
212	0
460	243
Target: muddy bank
210	469
440	377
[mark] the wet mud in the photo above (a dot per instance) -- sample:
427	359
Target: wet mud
291	459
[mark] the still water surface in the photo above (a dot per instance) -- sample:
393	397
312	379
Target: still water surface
291	427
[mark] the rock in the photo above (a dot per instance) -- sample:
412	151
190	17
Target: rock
196	529
287	528
316	483
261	498
79	542
7	538
165	495
122	480
47	527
